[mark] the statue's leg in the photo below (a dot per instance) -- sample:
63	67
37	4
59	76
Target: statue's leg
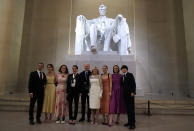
108	36
87	43
93	35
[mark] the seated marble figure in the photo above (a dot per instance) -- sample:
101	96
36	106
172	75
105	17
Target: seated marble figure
102	34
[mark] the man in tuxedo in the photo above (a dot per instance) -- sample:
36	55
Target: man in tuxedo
36	86
73	90
129	87
84	77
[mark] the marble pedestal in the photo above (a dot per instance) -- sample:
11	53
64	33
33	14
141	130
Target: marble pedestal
100	59
103	58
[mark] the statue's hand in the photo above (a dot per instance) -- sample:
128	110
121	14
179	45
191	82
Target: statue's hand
93	49
116	38
119	17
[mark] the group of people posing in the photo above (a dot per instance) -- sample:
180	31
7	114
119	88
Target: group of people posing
58	94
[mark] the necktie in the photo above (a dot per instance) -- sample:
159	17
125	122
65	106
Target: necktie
124	77
40	75
86	75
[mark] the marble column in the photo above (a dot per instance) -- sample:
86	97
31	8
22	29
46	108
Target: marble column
11	26
45	36
189	33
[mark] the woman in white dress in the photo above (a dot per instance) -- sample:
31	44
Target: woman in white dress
95	94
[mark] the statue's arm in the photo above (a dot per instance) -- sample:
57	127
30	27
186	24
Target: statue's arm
116	22
122	27
82	24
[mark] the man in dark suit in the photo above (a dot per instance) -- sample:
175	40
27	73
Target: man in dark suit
129	86
73	90
84	77
36	86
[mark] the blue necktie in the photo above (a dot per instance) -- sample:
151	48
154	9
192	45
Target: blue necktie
86	75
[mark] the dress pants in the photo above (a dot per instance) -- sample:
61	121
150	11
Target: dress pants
39	97
85	98
130	104
73	97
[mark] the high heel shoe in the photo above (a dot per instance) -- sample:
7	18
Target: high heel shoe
96	123
109	124
117	122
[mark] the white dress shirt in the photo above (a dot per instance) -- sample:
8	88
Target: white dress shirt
74	80
39	73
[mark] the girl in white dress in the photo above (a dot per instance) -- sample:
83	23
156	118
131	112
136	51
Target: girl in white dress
95	94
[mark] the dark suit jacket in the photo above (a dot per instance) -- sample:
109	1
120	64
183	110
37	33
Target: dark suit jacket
35	83
129	84
75	89
85	82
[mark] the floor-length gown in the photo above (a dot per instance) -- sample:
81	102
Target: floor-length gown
49	95
61	101
105	101
117	104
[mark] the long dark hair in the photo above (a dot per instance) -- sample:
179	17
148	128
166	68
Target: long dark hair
51	65
118	69
66	72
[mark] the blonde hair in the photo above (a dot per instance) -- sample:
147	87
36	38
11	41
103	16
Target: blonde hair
95	68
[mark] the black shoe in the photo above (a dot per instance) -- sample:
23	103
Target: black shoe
73	122
31	123
127	124
38	121
82	120
132	127
104	123
89	120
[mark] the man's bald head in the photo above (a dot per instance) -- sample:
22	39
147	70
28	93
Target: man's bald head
87	67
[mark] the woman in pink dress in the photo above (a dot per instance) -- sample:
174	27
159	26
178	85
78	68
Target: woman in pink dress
61	102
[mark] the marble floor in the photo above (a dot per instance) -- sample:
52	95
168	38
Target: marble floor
18	121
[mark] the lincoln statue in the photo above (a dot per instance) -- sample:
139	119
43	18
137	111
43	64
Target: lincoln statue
102	34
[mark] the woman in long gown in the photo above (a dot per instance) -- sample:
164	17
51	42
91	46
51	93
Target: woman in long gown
49	94
107	89
117	105
61	102
95	94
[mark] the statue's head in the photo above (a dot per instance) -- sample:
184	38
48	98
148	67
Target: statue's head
102	10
